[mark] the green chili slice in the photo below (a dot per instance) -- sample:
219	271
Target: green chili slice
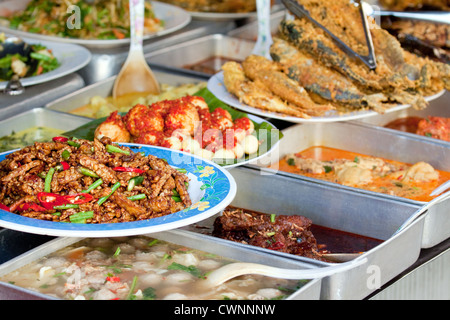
103	199
66	206
87	172
65	154
73	144
137	197
48	180
80	217
113	149
96	184
134	182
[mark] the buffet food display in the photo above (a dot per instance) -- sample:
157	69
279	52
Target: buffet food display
148	194
101	20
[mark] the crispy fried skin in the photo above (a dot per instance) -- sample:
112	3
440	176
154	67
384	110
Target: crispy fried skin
266	72
255	95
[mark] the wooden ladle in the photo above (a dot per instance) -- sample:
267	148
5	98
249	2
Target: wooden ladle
135	75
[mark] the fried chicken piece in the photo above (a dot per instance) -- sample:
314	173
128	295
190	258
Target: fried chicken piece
254	95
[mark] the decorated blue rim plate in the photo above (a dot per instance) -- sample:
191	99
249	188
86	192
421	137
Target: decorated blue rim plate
211	189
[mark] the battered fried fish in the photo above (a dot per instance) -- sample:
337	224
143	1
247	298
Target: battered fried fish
255	95
395	70
333	86
267	73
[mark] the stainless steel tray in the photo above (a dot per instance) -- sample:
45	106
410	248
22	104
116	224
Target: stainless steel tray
374	141
437	108
104	88
41	117
310	291
340	209
38	95
194	51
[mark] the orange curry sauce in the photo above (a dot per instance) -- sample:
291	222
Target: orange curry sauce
414	191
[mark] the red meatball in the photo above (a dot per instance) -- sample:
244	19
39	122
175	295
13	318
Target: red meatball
182	116
221	119
152	137
141	119
114	128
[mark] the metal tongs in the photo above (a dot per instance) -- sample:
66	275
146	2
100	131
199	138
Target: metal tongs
369	60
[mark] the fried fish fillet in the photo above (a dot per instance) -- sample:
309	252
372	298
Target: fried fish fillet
255	95
333	86
268	74
395	71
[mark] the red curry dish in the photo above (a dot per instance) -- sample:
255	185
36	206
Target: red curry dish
433	127
83	181
412	181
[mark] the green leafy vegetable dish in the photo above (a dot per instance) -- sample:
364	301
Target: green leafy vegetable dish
24	60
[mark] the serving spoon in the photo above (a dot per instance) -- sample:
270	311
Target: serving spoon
264	39
136	75
232	270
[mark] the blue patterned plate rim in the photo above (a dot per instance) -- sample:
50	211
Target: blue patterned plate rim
212	188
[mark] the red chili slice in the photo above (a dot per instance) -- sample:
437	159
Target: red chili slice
48	200
33	206
78	198
127	169
60	139
3	207
65	165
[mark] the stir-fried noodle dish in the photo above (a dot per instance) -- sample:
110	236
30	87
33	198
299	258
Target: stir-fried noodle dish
82	181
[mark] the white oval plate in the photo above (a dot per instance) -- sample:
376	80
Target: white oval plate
217	87
211	189
70	56
174	19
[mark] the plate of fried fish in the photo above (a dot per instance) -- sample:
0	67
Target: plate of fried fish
310	79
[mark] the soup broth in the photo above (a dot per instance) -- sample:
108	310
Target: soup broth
139	268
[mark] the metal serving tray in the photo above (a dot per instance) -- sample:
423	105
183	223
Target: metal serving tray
438	108
375	141
194	51
310	291
339	209
104	88
38	95
40	117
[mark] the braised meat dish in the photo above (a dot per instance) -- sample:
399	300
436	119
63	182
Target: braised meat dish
284	233
82	181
